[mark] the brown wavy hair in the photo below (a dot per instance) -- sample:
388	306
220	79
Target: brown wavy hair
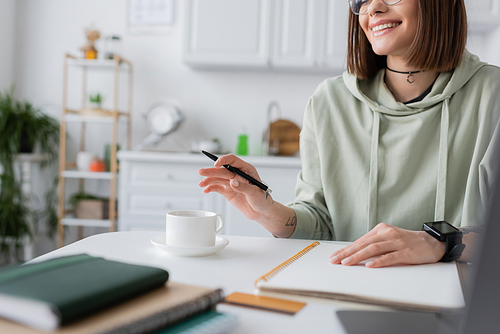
438	45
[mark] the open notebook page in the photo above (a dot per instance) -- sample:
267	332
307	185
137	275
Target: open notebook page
434	287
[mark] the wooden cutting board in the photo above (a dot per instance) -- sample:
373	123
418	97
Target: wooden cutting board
284	135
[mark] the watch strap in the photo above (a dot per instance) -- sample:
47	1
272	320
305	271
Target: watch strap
454	248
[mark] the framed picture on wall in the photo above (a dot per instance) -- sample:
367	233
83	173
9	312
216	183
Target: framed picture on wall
150	17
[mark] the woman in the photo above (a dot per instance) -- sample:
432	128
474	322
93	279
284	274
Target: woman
404	137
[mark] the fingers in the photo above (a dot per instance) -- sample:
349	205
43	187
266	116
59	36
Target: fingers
249	190
387	260
231	159
362	250
221	176
213	184
236	162
216	172
383	241
225	186
367	239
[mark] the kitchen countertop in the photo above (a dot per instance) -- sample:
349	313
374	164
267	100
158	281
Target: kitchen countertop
173	157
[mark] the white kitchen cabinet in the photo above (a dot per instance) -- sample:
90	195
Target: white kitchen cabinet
332	44
227	33
295	32
483	15
152	184
309	35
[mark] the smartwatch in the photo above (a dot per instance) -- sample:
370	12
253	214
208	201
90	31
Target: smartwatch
445	232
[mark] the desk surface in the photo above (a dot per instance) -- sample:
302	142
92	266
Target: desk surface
234	269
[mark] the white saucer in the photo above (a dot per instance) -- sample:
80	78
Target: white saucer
159	242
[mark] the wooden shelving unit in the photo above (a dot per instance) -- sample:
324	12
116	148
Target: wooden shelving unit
85	116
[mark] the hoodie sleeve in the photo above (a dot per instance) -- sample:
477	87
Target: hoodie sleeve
480	188
313	218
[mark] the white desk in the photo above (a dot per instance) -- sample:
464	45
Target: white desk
235	268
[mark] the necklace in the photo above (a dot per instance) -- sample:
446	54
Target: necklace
410	74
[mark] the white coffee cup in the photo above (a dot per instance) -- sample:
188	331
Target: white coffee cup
83	160
192	228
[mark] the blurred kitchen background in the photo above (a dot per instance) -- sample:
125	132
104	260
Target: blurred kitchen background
221	63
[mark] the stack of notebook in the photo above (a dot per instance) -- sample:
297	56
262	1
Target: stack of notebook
85	294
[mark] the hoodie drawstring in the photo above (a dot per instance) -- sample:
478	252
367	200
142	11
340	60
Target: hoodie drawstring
442	162
441	172
373	178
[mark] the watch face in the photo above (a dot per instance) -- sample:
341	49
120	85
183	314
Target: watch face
443	227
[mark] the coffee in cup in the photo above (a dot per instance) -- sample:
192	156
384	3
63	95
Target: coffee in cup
192	228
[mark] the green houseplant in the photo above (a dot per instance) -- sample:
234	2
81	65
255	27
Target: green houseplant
23	128
88	206
95	100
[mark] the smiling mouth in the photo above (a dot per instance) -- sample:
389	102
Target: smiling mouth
385	26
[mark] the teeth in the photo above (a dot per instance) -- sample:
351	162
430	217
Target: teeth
385	26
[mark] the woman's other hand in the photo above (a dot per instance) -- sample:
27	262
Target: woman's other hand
387	245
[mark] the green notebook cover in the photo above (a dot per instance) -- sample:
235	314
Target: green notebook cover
73	287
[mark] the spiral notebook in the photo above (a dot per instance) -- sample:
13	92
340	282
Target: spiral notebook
429	287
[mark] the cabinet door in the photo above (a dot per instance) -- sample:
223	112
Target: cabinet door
332	43
295	33
227	33
483	15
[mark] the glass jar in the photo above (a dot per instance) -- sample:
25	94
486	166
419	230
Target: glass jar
112	45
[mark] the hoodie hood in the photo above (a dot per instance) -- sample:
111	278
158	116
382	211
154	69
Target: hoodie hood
379	99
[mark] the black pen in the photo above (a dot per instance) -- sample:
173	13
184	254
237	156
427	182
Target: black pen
240	173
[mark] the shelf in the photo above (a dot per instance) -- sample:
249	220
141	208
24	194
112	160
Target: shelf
31	157
97	63
94	119
99	112
76	174
79	117
86	222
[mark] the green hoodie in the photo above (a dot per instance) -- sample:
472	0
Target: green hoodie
368	159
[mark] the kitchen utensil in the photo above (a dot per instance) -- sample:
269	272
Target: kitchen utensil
161	119
281	136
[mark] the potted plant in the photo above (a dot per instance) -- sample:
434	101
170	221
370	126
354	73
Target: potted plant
23	128
88	206
95	101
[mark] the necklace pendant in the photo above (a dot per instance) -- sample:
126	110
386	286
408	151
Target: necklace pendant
409	78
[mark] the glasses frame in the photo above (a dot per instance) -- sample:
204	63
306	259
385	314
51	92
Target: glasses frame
366	11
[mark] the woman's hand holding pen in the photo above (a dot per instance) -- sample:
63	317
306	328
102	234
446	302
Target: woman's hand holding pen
246	197
255	203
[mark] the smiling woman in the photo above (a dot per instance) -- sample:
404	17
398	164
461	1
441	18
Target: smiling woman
435	34
405	137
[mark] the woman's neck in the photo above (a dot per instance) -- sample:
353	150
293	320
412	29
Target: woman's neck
399	84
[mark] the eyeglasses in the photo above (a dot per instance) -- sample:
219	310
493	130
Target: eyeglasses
360	7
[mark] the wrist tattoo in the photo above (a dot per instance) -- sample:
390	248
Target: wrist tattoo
269	195
475	229
292	221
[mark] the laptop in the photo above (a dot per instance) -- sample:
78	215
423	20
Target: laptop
482	312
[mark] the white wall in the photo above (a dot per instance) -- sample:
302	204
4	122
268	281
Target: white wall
215	103
7	34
